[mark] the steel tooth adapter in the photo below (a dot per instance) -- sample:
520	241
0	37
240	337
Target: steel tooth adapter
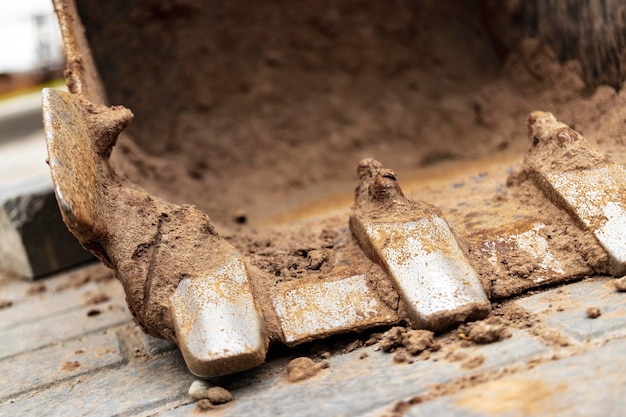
589	185
416	247
182	281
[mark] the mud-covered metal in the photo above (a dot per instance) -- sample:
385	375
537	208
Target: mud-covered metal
315	307
218	326
416	247
589	185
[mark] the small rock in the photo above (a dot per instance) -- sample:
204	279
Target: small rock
620	284
593	312
240	216
198	390
204	405
5	304
71	366
353	346
402	356
417	341
218	395
317	258
303	368
392	339
363	355
487	331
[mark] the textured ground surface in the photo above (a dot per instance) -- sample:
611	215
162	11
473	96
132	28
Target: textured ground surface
70	348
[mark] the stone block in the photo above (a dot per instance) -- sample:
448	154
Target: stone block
34	241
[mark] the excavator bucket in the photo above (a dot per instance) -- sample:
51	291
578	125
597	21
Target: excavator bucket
431	257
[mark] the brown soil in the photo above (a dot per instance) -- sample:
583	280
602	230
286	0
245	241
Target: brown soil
96	299
302	368
620	284
38	288
490	330
71	366
407	343
593	312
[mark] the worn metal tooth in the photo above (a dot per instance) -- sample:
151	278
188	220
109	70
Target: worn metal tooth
415	245
182	281
317	308
589	185
508	247
217	324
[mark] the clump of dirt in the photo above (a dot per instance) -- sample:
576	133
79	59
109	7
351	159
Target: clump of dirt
5	304
37	288
71	366
292	253
593	312
302	368
485	331
620	284
97	299
473	362
204	405
94	273
407	343
211	397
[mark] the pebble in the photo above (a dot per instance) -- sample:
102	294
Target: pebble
593	312
201	390
198	389
218	395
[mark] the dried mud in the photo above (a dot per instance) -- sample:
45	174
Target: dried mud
302	368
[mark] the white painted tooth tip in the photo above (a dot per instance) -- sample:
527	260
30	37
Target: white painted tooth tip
217	324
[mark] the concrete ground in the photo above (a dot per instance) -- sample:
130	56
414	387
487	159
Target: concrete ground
70	347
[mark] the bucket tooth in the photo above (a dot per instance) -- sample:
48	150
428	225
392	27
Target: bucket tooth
183	282
317	308
218	326
415	245
589	185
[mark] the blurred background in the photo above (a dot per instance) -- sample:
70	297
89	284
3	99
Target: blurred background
31	57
